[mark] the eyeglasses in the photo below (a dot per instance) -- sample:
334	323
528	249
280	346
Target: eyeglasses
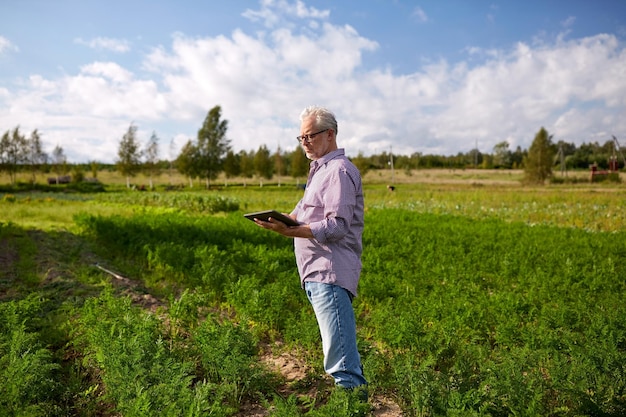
310	136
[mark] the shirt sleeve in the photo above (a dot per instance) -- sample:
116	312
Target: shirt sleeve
339	202
296	209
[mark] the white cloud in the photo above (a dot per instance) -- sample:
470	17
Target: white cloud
576	89
108	70
419	14
115	45
7	45
569	21
275	12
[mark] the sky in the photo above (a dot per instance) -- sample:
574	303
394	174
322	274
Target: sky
430	76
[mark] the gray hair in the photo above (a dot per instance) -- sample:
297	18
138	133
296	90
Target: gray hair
324	118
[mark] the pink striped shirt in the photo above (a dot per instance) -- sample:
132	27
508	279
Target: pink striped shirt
333	207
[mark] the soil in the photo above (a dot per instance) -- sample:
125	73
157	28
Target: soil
294	369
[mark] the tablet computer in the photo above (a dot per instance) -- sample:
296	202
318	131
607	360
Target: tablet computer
265	215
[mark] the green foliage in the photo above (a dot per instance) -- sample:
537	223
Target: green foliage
470	304
196	251
495	318
186	161
28	372
211	146
263	163
140	373
286	407
129	154
341	403
538	163
14	151
299	163
59	191
228	355
608	177
190	202
363	163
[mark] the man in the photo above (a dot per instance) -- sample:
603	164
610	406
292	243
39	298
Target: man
328	244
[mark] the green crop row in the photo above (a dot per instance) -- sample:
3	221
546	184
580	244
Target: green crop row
493	318
190	202
29	373
145	371
457	316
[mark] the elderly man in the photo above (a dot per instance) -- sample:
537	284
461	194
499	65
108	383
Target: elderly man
328	245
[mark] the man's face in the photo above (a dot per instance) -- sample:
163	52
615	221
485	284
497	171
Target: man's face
320	144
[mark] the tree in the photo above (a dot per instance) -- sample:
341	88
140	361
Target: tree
362	163
151	153
4	145
13	152
299	163
212	145
232	165
487	162
5	142
93	165
171	161
263	163
59	161
517	157
279	164
246	164
36	156
186	161
538	163
502	155
129	154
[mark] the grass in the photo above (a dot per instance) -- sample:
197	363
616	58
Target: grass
590	208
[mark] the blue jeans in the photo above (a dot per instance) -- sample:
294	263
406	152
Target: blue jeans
335	317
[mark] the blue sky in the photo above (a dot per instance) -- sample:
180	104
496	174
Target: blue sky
408	76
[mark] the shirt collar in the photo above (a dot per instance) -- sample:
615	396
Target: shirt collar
329	156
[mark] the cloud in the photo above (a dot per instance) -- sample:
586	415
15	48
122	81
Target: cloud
7	45
568	22
275	12
115	45
574	88
108	70
419	14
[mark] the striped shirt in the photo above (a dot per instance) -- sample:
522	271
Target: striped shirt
333	207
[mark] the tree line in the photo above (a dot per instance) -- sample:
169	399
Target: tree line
210	154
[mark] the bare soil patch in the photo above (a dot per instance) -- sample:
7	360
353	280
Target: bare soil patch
300	379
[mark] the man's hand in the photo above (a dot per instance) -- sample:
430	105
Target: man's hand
272	224
281	228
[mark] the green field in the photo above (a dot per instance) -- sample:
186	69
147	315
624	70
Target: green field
479	297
